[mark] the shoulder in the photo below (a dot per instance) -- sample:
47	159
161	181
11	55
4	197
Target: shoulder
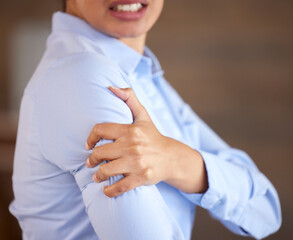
83	67
73	71
75	59
71	97
76	73
80	80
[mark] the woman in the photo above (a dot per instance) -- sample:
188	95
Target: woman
150	159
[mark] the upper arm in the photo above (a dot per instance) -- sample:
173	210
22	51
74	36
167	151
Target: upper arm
138	214
73	97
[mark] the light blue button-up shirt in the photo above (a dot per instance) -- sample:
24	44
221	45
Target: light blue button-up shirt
55	197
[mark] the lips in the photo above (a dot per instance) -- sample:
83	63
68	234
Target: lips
128	10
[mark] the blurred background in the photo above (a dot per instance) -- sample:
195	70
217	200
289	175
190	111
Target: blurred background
232	60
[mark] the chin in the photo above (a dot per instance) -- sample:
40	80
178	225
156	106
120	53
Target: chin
125	30
126	33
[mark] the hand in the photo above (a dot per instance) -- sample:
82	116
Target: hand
142	154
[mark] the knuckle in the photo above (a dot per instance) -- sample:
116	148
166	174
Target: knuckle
127	186
96	152
135	131
137	150
133	140
140	163
136	135
121	188
103	170
97	129
148	174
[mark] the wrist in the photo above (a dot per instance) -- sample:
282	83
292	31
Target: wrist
188	172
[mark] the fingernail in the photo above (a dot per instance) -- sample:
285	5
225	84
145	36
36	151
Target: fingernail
88	163
95	178
87	147
107	193
113	87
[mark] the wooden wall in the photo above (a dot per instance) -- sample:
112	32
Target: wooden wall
232	60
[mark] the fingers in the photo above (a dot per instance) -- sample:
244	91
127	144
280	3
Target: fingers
110	131
124	185
128	96
108	152
110	169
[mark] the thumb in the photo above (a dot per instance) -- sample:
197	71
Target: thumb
128	96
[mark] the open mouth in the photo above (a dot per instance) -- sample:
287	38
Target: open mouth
134	7
127	10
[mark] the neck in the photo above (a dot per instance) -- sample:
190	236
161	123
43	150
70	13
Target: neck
136	43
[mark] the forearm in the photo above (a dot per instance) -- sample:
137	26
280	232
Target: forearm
240	196
187	171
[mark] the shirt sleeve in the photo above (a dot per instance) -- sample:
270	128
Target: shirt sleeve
238	195
73	97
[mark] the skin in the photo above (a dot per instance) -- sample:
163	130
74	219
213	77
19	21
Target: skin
142	154
97	14
139	151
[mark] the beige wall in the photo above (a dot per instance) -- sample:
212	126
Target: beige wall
232	60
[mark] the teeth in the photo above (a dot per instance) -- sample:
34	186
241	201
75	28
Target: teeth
128	7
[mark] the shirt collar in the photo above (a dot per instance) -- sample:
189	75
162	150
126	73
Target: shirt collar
127	58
